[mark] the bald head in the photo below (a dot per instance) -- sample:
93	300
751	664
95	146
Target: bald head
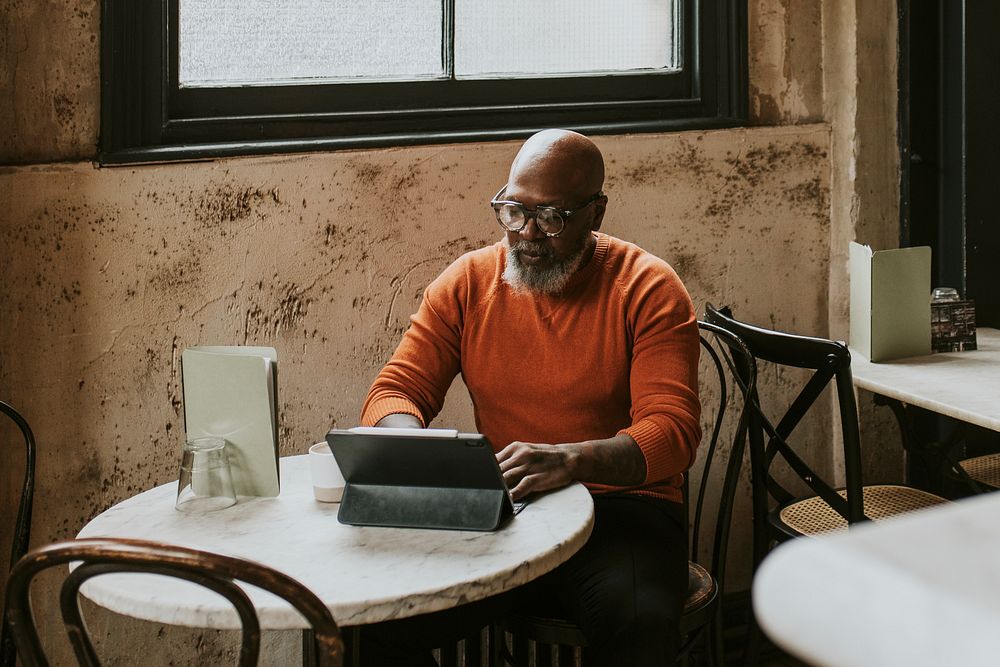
560	161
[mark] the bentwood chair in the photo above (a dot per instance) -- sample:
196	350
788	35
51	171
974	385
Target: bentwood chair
22	524
537	639
779	513
97	556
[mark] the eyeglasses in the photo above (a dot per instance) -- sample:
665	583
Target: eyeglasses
513	215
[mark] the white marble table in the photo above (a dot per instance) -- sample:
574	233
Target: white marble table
364	575
921	589
963	385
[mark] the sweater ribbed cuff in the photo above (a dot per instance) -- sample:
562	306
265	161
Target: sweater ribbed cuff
662	461
390	405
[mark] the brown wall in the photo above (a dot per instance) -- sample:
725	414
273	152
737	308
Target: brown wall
109	273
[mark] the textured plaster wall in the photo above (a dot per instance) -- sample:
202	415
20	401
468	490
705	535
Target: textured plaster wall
324	257
786	76
49	80
110	273
859	82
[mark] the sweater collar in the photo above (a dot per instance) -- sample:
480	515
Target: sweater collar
585	272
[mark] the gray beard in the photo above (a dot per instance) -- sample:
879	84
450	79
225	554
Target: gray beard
550	280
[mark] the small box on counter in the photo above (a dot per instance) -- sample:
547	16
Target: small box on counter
953	326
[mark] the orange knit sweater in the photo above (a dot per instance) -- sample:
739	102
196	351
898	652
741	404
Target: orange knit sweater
616	352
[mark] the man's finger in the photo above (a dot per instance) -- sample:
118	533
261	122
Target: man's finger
509	451
514	475
527	485
520	457
524	487
507	457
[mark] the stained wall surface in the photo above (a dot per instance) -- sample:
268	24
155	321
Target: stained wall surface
324	257
110	273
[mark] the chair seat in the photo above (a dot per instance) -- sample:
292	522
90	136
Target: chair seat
702	596
983	469
701	588
813	516
547	628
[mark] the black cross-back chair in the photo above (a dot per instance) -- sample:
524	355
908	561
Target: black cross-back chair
827	508
778	513
97	556
22	525
544	638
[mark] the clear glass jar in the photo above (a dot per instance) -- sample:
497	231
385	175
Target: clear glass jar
944	295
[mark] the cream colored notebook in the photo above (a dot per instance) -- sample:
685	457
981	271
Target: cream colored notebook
231	393
890	302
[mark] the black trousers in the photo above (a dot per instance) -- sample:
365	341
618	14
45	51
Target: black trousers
625	589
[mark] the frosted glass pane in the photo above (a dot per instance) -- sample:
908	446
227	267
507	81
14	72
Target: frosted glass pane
542	37
241	42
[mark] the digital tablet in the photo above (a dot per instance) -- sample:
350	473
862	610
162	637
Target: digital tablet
419	478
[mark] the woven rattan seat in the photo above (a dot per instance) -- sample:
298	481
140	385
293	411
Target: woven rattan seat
983	469
814	516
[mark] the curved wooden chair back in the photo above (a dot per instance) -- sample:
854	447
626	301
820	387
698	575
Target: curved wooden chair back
736	375
96	556
22	525
729	383
735	380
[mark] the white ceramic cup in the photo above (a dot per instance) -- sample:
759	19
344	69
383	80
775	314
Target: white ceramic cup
328	483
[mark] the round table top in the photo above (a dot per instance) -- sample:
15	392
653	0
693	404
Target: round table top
363	574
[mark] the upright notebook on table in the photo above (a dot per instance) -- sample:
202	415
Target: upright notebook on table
890	302
231	392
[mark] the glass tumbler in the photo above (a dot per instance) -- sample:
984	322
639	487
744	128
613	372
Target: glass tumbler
944	295
206	482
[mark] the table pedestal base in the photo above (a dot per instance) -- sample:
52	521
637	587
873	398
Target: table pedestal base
932	459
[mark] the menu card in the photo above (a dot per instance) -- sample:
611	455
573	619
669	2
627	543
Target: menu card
890	302
231	392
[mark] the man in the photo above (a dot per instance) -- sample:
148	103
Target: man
580	352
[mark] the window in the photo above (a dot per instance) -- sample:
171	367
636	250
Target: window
188	79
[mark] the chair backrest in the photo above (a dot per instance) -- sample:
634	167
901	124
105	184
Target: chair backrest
22	525
218	573
732	373
830	362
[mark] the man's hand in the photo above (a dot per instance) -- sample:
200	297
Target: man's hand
399	420
529	468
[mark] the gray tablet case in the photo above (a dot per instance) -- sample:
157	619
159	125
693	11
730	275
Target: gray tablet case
395	477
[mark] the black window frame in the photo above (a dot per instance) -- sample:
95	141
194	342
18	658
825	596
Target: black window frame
147	117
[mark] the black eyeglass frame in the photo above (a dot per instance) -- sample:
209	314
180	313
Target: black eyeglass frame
564	214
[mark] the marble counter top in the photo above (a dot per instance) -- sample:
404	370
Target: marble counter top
963	385
918	590
364	575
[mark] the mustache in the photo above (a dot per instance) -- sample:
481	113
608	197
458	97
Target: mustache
533	248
